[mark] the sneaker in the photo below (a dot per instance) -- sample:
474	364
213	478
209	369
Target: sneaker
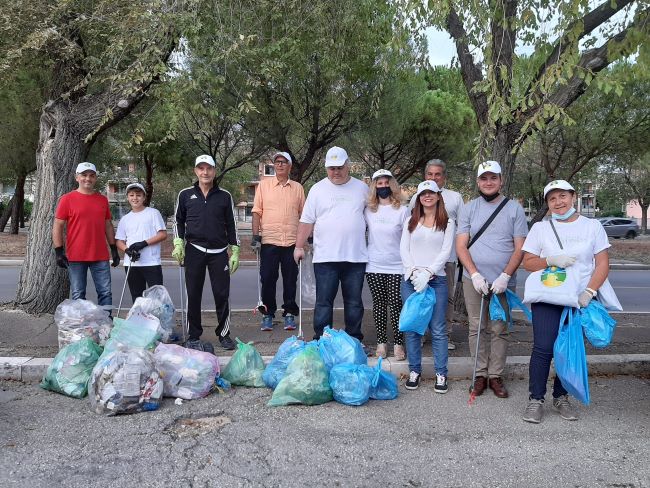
413	382
534	411
289	322
564	408
267	323
199	345
399	353
381	351
227	343
451	346
441	384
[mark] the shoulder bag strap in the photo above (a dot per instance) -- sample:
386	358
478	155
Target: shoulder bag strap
480	232
556	235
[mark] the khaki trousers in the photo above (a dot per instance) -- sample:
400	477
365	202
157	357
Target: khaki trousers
493	346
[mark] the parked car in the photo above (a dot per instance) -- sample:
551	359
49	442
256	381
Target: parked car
617	227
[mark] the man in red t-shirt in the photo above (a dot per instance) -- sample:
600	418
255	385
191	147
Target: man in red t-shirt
88	219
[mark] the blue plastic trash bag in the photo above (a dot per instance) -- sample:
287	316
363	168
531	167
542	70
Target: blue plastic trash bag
351	383
383	385
337	347
417	311
569	355
514	302
305	382
276	369
597	324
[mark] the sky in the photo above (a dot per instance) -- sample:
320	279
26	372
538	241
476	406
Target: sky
441	47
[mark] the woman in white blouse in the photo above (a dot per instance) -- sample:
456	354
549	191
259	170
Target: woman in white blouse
425	248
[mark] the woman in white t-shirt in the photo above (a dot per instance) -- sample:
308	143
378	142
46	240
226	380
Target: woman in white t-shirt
139	234
425	248
385	217
584	250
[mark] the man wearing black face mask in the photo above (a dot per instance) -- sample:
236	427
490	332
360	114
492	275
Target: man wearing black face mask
493	258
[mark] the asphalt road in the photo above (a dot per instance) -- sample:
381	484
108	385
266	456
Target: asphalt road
632	288
421	439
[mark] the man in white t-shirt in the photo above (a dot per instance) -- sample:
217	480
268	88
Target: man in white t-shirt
436	170
334	212
139	235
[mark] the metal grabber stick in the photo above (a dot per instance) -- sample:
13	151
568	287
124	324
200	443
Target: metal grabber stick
182	290
472	395
119	307
260	307
300	299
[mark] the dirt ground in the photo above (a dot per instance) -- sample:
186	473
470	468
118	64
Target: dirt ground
633	250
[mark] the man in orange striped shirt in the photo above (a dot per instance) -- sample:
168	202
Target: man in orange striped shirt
276	212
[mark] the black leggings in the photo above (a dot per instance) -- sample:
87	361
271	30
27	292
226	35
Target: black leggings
384	289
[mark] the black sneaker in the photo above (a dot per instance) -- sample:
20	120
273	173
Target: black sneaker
227	343
199	345
441	384
413	382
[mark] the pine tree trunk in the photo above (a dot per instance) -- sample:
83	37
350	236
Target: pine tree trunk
148	182
502	152
644	218
6	214
43	285
19	202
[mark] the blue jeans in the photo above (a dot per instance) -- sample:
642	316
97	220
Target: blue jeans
101	274
437	326
328	276
546	323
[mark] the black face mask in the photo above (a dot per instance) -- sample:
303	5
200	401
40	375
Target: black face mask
384	192
489	198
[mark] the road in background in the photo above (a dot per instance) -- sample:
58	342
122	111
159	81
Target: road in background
632	288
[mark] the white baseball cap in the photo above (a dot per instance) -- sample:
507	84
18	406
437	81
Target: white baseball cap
131	186
427	186
558	185
489	167
81	167
336	156
204	158
381	172
285	155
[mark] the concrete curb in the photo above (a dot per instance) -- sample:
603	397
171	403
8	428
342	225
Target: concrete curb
28	369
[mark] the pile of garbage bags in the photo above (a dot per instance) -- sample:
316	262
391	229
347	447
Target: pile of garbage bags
122	365
334	367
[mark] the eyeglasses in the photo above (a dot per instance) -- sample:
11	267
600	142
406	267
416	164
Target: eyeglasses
281	163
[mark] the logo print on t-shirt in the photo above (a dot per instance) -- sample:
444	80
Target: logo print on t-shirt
193	196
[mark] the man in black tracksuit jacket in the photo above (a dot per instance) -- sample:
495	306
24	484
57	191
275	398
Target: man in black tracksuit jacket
205	220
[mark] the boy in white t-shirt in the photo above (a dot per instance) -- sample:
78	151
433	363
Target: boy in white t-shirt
139	235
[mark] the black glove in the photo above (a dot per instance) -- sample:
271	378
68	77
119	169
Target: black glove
134	255
138	246
61	258
256	242
115	255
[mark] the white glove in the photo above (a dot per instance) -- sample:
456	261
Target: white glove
585	298
419	279
561	260
500	284
480	283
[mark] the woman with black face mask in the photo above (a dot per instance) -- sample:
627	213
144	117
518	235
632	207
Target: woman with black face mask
385	217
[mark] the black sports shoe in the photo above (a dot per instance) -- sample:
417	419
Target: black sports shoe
441	384
413	382
199	345
227	343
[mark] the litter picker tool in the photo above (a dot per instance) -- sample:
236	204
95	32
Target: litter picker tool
182	290
260	307
300	299
472	394
119	307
